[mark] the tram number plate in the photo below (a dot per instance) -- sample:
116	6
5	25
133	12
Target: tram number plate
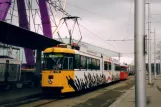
57	71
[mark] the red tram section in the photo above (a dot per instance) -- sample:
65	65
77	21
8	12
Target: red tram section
123	72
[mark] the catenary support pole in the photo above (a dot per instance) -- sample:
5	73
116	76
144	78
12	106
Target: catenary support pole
149	44
160	62
139	32
154	55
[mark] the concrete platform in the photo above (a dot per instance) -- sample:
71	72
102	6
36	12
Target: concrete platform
18	94
153	95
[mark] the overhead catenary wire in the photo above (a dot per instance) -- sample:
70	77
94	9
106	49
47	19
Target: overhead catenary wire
84	9
93	13
96	35
64	6
115	40
129	18
80	25
53	19
56	30
155	20
52	13
122	40
102	15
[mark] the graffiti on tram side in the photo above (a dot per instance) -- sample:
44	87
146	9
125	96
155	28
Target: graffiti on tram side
109	77
88	81
115	76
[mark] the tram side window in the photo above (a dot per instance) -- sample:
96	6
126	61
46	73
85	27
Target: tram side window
123	69
77	62
109	66
105	65
93	65
117	67
89	63
98	64
65	63
70	63
83	62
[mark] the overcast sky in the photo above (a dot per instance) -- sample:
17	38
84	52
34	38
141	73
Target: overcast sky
112	19
108	19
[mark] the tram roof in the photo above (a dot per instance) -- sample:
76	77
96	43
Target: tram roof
59	50
13	35
105	52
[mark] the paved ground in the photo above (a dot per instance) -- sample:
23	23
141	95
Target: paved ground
121	94
153	92
99	98
19	93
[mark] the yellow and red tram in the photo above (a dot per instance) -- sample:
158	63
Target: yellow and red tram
69	70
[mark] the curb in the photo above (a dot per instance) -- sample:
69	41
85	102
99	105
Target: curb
119	99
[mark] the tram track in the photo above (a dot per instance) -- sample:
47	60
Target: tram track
21	101
53	100
40	100
46	102
36	101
